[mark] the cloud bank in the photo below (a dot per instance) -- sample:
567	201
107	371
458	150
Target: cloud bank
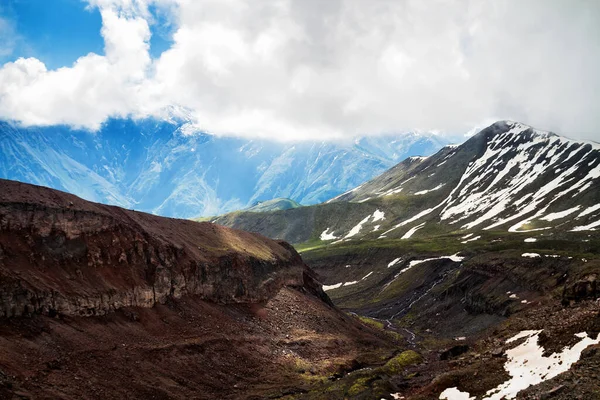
312	69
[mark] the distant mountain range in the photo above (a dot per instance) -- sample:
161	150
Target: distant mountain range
160	167
508	177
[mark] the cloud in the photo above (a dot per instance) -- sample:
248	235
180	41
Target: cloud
94	88
311	69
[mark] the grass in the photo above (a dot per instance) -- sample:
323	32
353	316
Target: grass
450	243
360	385
371	322
312	244
203	219
405	359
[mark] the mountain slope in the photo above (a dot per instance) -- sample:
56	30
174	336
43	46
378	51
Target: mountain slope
462	251
513	177
102	302
167	168
66	265
445	251
274	205
507	177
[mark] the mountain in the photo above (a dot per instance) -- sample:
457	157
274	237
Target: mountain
484	258
168	168
274	205
508	177
470	274
98	301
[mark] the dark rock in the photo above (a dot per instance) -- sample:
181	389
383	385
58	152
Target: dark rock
497	352
582	289
550	393
454	351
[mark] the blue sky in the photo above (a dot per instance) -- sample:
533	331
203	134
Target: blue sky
58	32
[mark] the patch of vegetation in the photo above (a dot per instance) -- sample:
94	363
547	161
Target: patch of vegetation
360	385
203	219
371	322
312	244
405	359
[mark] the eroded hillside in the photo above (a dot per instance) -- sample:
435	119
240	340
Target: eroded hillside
100	302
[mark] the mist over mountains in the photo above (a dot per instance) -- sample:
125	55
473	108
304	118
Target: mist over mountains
159	167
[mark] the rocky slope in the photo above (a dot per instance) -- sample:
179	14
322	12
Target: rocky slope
100	302
62	255
169	168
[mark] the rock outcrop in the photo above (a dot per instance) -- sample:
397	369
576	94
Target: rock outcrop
582	289
60	254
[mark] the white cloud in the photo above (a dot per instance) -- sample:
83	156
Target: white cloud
85	94
313	69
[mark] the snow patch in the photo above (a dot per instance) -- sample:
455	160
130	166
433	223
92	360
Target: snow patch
429	190
376	216
589	210
330	287
416	217
471	240
455	258
560	215
527	365
412	231
455	394
392	191
394	262
589	227
530	255
325	235
354	231
344	284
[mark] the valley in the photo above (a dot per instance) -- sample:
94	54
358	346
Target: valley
458	252
469	274
299	200
101	302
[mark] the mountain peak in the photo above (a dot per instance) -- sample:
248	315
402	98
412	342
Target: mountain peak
509	176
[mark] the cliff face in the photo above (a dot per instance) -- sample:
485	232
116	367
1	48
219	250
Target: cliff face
60	254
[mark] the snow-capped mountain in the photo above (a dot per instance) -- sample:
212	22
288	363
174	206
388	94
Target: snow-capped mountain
508	177
513	177
167	168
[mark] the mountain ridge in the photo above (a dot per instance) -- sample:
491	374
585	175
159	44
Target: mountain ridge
166	168
156	258
509	176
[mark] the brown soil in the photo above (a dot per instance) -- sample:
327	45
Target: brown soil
186	349
60	254
98	302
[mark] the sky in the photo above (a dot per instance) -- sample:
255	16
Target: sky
304	69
